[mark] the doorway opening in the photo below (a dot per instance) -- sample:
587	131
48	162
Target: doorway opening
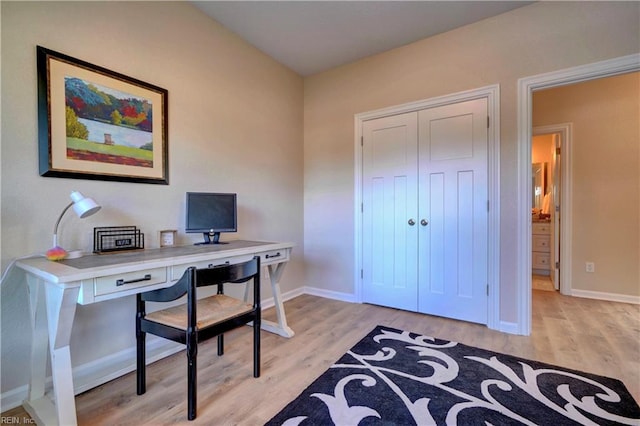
551	159
526	88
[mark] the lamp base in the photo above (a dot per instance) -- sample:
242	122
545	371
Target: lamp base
75	254
56	253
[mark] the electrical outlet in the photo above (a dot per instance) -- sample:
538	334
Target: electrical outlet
590	267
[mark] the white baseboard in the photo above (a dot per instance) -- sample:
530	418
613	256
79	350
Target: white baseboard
95	373
13	398
611	297
328	294
509	327
291	294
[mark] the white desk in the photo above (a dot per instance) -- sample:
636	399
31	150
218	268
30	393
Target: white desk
55	288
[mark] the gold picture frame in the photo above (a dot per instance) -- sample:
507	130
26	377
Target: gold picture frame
98	124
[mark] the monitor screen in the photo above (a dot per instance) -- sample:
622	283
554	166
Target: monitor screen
210	214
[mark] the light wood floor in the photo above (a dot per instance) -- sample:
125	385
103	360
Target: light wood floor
595	336
542	282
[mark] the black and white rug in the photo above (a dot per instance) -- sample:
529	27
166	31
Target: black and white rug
394	377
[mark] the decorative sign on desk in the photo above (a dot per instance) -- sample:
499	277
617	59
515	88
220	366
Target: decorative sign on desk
111	239
168	237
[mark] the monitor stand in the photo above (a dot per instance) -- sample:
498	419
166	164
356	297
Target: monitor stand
211	238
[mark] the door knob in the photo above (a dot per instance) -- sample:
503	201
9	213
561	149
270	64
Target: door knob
412	222
424	222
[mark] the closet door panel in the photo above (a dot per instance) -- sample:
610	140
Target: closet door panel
453	150
389	203
432	264
465	241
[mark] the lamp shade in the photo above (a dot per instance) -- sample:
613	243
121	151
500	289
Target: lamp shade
84	207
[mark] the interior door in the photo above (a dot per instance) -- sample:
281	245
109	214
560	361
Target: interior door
556	198
389	208
453	211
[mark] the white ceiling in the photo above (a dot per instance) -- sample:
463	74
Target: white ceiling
313	36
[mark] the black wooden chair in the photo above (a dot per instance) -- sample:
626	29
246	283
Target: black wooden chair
199	320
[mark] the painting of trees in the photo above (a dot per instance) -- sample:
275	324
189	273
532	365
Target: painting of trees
90	102
75	129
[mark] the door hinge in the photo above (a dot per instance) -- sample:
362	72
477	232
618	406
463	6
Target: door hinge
557	151
487	205
361	140
487	289
488	121
557	265
557	208
361	207
361	273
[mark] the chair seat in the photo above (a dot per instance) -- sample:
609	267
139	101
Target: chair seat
211	310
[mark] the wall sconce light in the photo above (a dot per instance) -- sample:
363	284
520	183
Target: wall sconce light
84	207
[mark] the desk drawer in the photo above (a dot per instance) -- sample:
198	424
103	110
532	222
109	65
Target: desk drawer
128	281
274	256
178	270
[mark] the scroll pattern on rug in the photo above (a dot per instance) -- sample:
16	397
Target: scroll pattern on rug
401	378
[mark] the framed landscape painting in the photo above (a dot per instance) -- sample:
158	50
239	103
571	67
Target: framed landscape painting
94	123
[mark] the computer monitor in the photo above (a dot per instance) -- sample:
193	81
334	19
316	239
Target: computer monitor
211	214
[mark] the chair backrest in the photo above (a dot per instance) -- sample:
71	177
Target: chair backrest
237	273
217	275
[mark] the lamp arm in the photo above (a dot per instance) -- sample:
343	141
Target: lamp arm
55	228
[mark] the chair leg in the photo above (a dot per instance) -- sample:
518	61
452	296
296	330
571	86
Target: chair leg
220	344
141	355
192	383
140	363
256	348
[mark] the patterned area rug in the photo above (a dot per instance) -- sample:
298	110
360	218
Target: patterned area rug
394	377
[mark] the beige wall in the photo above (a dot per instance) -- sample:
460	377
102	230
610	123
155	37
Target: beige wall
534	39
541	148
605	158
235	124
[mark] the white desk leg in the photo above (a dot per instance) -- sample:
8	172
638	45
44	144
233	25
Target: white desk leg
60	308
39	339
281	328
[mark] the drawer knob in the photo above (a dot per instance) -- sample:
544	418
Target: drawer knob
411	222
136	280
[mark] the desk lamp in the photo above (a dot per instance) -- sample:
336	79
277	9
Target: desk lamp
84	207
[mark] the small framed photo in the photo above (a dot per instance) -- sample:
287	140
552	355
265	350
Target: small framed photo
168	237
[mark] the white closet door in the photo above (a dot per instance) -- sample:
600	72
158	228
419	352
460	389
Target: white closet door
390	204
453	216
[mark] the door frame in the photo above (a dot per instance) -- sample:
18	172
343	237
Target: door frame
566	184
492	94
526	87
